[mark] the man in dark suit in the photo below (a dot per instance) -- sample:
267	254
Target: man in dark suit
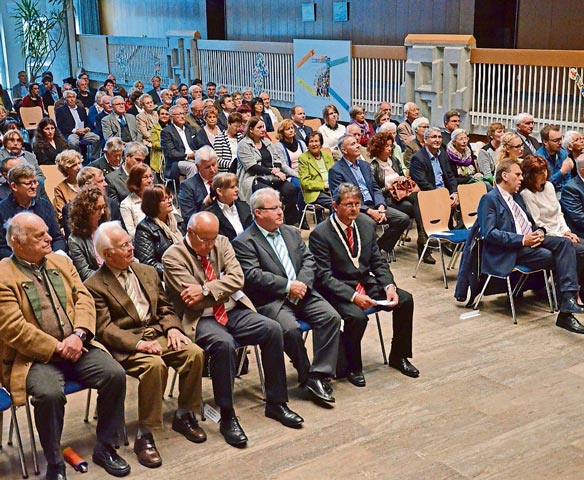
156	90
137	324
227	107
178	145
430	169
194	190
119	123
523	127
74	125
112	156
512	238
117	189
352	274
350	169
572	200
204	280
299	117
279	279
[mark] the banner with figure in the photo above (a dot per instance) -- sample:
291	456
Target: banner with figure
322	75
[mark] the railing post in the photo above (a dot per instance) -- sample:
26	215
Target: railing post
439	75
181	55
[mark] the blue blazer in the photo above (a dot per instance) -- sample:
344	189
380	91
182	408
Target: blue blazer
66	122
497	228
191	195
572	202
340	172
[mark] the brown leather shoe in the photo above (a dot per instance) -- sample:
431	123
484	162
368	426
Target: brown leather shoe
145	450
188	426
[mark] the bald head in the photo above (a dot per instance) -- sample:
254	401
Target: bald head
204	221
28	236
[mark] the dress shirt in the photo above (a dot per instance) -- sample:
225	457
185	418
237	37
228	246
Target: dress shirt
274	240
272	115
509	199
232	215
439	179
130	283
527	142
360	180
183	137
78	123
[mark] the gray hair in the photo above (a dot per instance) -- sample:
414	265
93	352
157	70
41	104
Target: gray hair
132	148
204	154
431	129
66	159
114	144
258	197
102	237
17	229
347	190
343	139
569	138
409	106
144	96
417	121
4	163
174	108
388	127
521	117
166	90
580	162
69	93
114	97
457	132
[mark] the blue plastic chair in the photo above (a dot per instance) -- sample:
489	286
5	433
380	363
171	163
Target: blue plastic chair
6	404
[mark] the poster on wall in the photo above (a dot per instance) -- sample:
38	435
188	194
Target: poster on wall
322	75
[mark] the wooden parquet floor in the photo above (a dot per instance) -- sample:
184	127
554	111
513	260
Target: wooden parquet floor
494	401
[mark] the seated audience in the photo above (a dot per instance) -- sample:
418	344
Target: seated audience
95	110
419	126
291	148
487	154
404	129
245	112
298	116
13	144
178	142
226	107
272	111
159	229
195	117
147	119
207	134
34	99
86	212
559	163
5	100
140	328
5	165
225	144
139	178
313	173
119	123
462	160
261	164
398	152
349	169
134	153
257	110
573	143
352	275
511	147
357	115
112	156
69	164
156	155
195	190
48	142
331	130
451	122
233	214
524	123
512	238
572	200
23	198
52	91
62	345
204	279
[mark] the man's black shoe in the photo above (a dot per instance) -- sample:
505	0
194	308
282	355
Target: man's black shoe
284	415
356	378
317	389
233	433
569	322
570	305
106	456
405	367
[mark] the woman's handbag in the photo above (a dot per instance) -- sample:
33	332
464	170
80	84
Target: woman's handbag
269	181
401	189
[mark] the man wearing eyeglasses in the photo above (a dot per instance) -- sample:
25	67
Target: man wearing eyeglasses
119	123
559	163
23	198
204	280
178	144
138	325
353	276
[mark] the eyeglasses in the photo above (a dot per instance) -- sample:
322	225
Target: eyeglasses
168	199
28	184
206	241
555	140
279	207
516	146
350	205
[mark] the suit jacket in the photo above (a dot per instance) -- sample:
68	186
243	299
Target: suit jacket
48	99
173	148
265	277
497	228
103	165
155	97
572	202
116	185
422	172
111	127
526	141
82	253
336	276
222	121
340	172
225	227
181	265
118	324
191	195
21	339
145	124
309	175
299	136
65	120
404	131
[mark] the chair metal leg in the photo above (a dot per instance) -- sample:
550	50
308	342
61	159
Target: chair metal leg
511	301
443	265
549	293
381	341
87	405
554	292
243	351
172	384
260	370
14	421
479	298
421	258
35	462
455	254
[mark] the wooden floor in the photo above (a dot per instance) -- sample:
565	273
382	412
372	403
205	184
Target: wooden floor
494	400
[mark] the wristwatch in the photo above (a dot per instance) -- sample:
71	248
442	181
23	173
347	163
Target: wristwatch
205	290
82	334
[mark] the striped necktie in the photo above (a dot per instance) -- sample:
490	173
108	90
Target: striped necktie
219	311
284	257
524	225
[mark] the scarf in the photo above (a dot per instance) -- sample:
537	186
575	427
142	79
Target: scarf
170	228
461	159
292	146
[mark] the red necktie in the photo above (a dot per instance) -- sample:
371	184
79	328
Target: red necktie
219	311
359	288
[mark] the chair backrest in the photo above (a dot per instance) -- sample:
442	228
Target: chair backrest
273	136
51	110
469	196
31	116
52	178
434	209
313	123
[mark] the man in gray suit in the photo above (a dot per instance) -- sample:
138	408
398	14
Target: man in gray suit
279	275
119	123
134	153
